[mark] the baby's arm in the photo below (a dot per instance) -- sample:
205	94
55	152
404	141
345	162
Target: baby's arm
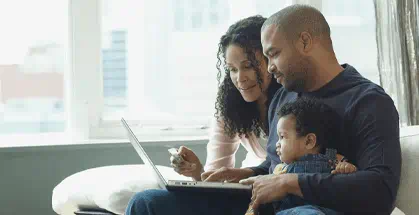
344	167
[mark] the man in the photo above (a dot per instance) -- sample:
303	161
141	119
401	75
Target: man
297	42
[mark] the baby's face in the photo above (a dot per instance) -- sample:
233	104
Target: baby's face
290	146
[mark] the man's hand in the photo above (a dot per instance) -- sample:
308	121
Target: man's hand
227	174
269	188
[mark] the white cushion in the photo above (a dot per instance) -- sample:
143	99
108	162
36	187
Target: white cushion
397	211
109	187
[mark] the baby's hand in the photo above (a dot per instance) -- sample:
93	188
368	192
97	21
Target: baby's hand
344	168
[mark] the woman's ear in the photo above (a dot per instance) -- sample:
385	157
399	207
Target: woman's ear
311	141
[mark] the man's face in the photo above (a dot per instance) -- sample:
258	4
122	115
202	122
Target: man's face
290	147
285	62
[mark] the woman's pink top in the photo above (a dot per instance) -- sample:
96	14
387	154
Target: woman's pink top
221	148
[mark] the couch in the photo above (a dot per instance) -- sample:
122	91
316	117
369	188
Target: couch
109	188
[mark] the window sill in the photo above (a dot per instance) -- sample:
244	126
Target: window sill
61	141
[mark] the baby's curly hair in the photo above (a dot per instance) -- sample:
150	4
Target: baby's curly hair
241	117
314	116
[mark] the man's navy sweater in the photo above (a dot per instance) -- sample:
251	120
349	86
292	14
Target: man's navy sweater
370	140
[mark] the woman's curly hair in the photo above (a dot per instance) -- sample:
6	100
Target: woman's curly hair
241	117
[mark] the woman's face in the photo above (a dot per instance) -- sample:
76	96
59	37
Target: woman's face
243	75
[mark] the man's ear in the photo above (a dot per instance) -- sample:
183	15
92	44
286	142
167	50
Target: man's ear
311	141
304	43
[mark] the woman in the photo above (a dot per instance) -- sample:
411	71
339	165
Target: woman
242	103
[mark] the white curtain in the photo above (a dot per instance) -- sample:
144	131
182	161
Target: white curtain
398	55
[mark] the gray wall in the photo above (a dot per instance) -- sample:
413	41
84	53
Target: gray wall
28	175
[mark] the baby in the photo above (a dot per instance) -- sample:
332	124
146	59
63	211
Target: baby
306	128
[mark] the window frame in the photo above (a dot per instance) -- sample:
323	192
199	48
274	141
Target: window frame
84	80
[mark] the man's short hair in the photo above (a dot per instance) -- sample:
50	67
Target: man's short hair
314	116
295	19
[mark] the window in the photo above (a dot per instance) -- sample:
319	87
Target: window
32	65
158	58
152	62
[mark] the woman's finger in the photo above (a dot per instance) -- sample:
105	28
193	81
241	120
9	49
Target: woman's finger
216	176
187	169
206	174
174	160
185	152
186	165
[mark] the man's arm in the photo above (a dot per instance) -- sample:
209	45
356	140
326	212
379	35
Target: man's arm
374	187
263	168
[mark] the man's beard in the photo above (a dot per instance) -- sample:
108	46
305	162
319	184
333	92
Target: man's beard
297	73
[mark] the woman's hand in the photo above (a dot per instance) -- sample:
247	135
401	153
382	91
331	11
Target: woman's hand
190	165
227	175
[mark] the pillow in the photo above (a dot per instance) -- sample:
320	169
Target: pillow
109	187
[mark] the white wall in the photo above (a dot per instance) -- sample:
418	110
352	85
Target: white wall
28	175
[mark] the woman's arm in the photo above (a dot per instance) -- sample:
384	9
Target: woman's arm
221	148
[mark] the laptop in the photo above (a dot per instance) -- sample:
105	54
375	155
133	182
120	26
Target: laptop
178	184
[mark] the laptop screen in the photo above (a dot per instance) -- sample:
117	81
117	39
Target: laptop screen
141	152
